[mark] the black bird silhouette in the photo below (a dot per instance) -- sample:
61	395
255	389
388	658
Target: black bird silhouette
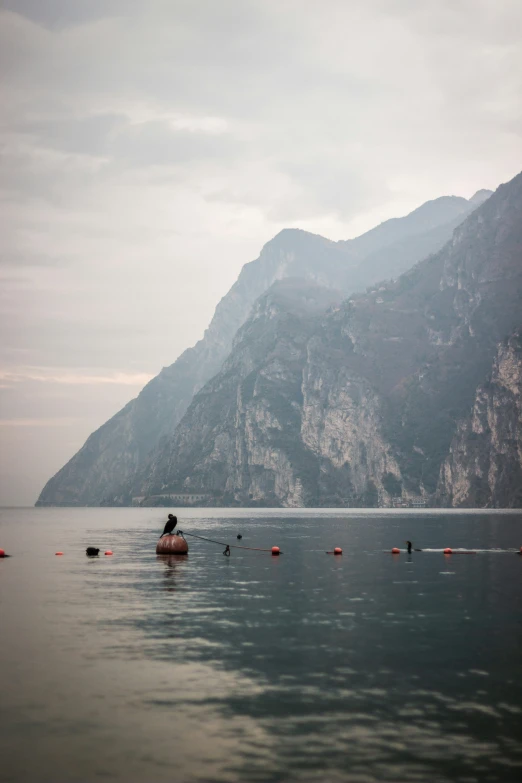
91	551
171	524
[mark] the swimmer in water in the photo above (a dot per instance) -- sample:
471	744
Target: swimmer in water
409	547
169	527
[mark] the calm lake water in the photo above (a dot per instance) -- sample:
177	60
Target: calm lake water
307	667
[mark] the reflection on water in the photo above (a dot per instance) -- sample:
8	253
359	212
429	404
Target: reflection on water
173	565
306	667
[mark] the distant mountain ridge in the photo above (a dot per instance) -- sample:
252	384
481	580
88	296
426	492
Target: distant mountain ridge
361	405
118	450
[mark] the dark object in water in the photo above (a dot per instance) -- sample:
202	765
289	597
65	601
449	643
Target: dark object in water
226	552
171	524
409	547
239	536
91	551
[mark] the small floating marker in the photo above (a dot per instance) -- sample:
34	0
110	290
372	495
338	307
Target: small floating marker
396	551
448	551
58	553
275	551
108	552
338	550
2	552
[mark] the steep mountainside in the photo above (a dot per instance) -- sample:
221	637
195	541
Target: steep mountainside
484	466
360	406
112	455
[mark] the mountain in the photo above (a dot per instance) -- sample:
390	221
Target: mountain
361	404
118	450
484	466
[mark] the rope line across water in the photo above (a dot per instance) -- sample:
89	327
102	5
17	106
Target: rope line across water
222	543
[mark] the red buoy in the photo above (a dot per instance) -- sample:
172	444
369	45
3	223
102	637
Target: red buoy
448	551
275	550
395	551
58	553
172	545
2	552
108	552
338	550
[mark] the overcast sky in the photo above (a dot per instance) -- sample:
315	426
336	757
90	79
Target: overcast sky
149	149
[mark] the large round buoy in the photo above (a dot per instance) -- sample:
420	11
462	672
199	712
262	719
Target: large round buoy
275	550
448	551
338	550
172	545
395	551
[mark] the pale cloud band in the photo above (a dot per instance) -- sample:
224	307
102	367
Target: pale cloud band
57	422
55	376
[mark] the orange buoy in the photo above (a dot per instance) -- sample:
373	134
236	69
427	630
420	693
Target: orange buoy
2	552
108	552
448	551
171	545
338	550
395	551
275	550
58	553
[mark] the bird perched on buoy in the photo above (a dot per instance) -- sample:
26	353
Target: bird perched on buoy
91	551
170	525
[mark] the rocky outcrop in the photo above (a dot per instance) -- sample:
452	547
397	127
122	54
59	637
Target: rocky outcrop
359	405
232	441
484	466
118	450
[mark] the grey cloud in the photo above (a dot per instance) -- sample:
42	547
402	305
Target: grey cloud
63	13
89	135
18	259
158	144
115	137
497	22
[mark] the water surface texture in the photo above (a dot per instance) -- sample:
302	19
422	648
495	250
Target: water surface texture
307	667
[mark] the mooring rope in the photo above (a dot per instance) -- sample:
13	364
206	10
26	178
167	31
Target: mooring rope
222	543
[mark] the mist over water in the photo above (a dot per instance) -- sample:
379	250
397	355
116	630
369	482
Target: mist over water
307	667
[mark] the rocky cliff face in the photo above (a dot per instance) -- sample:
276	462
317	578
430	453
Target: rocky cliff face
359	405
484	466
117	451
